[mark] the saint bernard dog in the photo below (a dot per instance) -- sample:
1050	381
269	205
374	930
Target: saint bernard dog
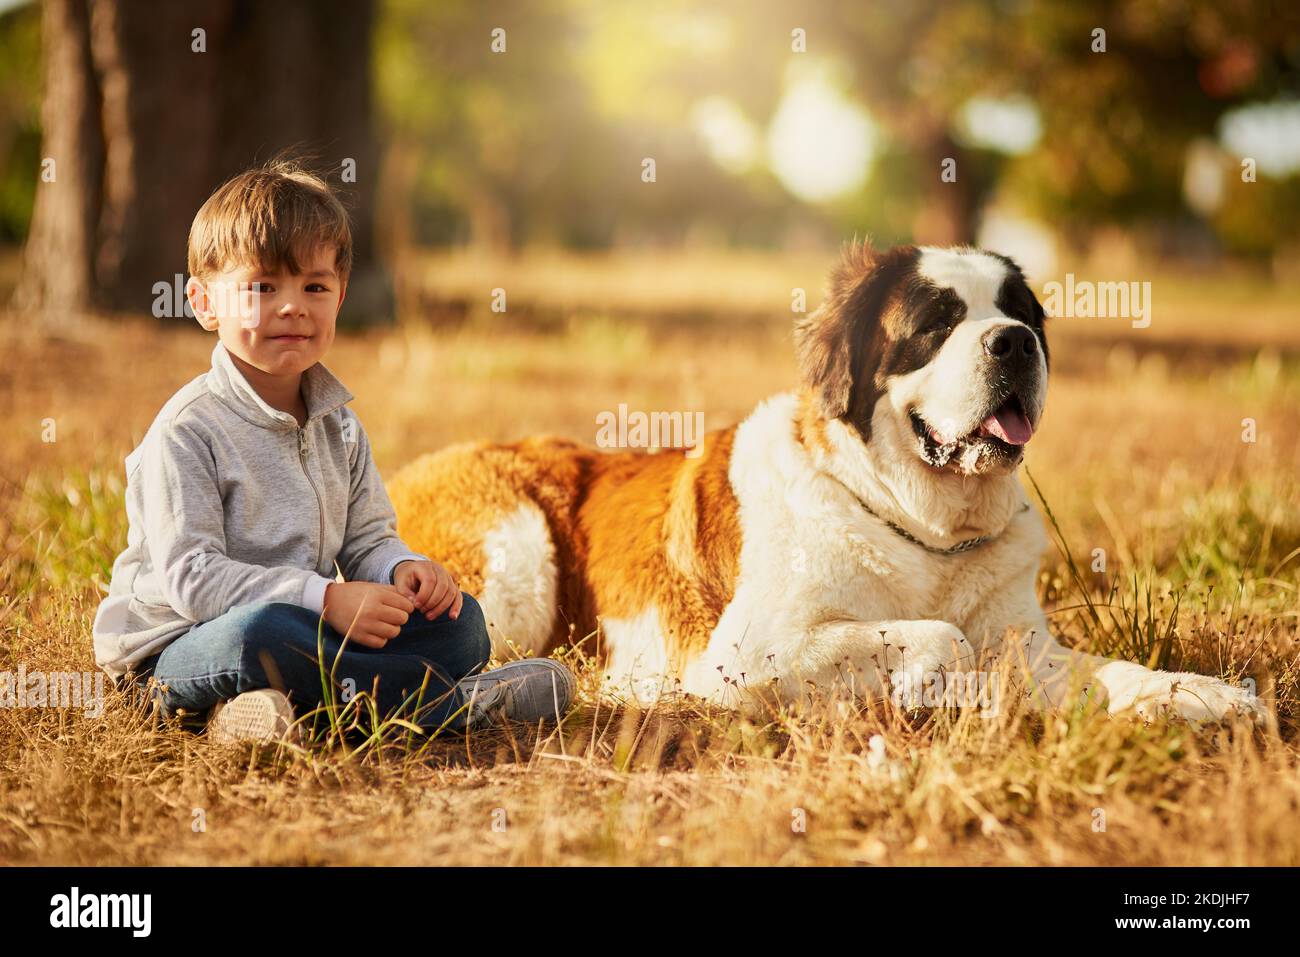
866	525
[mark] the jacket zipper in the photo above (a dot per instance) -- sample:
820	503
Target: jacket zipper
320	505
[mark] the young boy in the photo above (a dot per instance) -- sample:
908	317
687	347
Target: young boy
256	482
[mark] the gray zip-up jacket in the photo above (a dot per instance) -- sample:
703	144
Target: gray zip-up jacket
230	503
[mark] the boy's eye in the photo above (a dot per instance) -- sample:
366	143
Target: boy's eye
317	287
259	287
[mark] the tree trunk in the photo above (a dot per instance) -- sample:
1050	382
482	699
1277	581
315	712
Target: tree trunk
298	75
182	112
948	216
58	261
160	130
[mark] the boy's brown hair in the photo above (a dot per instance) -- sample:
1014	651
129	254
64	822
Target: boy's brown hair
272	216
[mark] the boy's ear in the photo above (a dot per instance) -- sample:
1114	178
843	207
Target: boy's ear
343	292
201	305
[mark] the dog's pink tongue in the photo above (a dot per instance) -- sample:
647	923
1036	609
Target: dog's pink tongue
1009	425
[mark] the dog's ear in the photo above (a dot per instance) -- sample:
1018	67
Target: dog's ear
842	341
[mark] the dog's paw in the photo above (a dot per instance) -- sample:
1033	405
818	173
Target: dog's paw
1130	688
907	686
919	674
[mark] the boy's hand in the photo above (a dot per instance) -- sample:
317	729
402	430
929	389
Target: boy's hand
430	587
367	613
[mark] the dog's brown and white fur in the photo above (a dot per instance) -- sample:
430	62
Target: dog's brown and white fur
768	560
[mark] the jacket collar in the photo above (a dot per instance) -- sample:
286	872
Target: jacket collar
322	392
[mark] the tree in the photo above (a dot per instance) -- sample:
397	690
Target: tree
149	105
1123	88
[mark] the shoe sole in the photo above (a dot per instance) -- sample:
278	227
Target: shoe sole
264	716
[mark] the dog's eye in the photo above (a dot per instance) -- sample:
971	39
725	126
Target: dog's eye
939	324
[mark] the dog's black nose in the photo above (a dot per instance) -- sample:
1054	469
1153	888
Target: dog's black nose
1010	342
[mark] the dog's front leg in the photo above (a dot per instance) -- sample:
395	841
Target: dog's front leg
861	655
1125	686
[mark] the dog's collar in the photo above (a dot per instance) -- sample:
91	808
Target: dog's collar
963	546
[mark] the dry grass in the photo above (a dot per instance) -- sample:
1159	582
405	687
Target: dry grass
1141	455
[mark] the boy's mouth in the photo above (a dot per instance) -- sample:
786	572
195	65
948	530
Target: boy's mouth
290	338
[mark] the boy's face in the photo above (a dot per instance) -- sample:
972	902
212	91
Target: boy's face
277	322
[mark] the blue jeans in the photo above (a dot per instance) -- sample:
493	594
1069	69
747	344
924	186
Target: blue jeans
274	645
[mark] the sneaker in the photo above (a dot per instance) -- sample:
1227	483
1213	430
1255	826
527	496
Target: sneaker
531	690
262	715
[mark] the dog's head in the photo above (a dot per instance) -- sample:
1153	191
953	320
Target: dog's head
949	343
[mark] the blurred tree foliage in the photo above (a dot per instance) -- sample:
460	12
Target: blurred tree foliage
1117	125
544	142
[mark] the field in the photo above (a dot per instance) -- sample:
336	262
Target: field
1144	453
